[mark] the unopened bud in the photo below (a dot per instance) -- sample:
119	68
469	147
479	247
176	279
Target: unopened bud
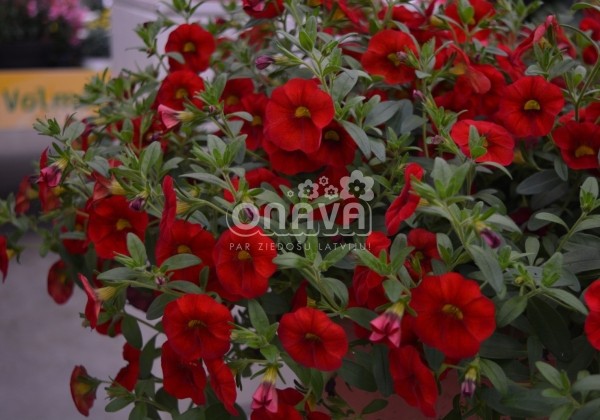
263	62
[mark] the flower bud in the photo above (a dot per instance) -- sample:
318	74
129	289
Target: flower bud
263	62
387	327
468	386
265	395
137	204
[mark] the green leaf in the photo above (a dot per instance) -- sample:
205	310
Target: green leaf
487	262
185	286
149	353
258	317
290	260
136	249
393	289
196	413
131	331
495	374
119	273
551	328
140	411
590	222
334	256
157	307
208	178
551	374
362	316
563	412
381	370
381	112
510	310
568	299
150	156
359	137
357	376
553	218
587	383
538	182
179	261
375	406
343	84
589	411
339	289
117	404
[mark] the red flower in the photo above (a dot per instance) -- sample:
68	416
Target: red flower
233	93
413	380
244	261
3	258
255	104
406	203
263	9
194	43
367	285
110	221
182	379
579	144
337	147
73	245
481	10
386	56
592	322
452	314
289	163
387	327
60	286
287	399
179	86
529	106
197	326
24	196
312	339
93	305
425	244
222	383
296	114
128	375
83	390
498	142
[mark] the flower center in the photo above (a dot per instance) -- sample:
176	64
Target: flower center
584	150
181	93
394	58
123	224
312	337
256	120
302	112
332	135
244	255
189	47
532	105
82	388
452	310
232	100
184	249
195	323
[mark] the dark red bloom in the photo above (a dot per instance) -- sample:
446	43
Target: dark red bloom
482	10
289	163
197	326
3	258
386	56
194	43
244	261
406	203
72	245
367	285
223	383
93	305
24	195
529	106
452	314
312	339
592	322
296	115
233	93
263	9
83	390
579	144
128	375
255	104
337	147
387	327
110	221
425	244
50	175
60	286
287	399
181	378
413	380
178	87
498	142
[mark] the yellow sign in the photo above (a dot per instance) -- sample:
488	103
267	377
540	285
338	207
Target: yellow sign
26	95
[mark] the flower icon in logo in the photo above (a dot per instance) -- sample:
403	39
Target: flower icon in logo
331	192
308	189
324	181
357	185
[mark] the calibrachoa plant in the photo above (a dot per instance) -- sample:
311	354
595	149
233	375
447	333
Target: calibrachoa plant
386	196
